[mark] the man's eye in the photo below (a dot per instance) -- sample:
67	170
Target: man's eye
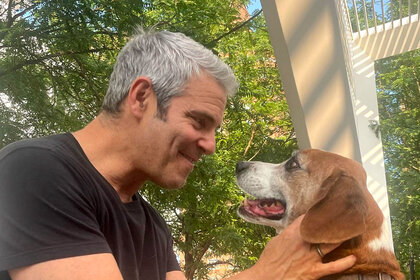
199	122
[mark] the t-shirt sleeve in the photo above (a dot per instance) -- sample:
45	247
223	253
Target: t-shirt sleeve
172	259
45	213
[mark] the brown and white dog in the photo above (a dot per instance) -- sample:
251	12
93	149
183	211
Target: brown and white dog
332	191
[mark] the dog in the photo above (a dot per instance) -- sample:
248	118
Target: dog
331	191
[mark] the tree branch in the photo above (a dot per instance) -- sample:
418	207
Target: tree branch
197	259
416	168
204	248
220	262
75	96
257	152
249	142
9	14
160	23
41	59
211	43
413	69
20	14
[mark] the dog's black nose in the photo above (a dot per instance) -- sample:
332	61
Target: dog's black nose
242	165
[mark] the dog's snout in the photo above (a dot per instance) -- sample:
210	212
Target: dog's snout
242	165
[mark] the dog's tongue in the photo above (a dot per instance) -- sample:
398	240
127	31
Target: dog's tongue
264	207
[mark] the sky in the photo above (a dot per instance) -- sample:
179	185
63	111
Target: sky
254	5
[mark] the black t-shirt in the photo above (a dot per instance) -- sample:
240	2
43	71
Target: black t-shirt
55	204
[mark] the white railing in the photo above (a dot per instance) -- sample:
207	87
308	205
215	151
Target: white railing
373	16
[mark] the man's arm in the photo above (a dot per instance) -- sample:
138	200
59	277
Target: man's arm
95	266
288	257
175	275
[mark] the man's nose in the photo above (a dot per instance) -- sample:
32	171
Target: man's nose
208	143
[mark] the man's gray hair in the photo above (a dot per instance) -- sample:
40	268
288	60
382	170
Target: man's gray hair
169	59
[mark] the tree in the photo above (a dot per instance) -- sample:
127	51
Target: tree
57	57
398	80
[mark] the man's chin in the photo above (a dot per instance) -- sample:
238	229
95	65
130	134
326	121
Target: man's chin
172	179
173	184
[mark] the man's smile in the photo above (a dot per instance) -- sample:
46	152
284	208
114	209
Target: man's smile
191	159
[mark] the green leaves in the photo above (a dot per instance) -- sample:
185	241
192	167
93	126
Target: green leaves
57	57
398	80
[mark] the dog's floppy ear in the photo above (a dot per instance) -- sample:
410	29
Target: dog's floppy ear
339	214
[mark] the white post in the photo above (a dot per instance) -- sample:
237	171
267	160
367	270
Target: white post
329	79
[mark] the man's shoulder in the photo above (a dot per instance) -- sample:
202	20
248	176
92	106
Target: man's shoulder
153	213
52	155
29	148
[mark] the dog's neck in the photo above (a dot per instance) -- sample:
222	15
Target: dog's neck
378	276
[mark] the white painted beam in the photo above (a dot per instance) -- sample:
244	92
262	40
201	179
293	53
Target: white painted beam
306	38
399	37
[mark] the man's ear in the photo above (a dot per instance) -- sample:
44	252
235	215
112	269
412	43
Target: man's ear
139	95
339	215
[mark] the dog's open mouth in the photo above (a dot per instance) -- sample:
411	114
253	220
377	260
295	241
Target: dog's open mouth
271	209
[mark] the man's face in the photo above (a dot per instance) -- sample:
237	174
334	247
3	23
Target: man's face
173	146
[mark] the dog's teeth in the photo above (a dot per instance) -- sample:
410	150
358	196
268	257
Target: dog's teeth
245	202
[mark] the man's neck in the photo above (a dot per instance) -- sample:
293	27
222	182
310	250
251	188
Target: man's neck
106	144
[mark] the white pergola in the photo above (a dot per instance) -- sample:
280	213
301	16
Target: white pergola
327	69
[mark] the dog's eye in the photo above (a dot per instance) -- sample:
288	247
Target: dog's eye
292	164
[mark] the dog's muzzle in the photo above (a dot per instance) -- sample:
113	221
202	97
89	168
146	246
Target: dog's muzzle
263	207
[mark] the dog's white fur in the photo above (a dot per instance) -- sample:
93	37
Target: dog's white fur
382	242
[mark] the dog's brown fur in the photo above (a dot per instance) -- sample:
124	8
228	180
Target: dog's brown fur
332	191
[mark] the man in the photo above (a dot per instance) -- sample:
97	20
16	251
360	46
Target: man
69	207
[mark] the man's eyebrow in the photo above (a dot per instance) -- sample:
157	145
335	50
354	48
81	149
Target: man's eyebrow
204	115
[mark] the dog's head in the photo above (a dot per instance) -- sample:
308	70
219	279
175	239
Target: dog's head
329	188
